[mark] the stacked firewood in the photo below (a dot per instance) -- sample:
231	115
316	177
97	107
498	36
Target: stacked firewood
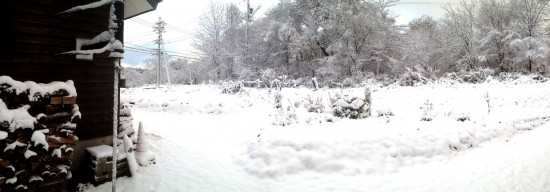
100	164
36	138
125	125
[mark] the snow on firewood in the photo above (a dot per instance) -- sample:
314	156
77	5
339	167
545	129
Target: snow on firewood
11	180
3	135
38	138
11	167
46	173
6	115
63	168
37	89
127	129
21	187
13	145
76	112
125	111
69	175
17	118
29	154
35	178
56	153
45	131
22	119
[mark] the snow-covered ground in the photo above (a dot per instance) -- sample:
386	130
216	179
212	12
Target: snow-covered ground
208	141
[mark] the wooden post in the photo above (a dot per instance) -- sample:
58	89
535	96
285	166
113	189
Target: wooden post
117	9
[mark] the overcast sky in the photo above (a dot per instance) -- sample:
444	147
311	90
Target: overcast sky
182	16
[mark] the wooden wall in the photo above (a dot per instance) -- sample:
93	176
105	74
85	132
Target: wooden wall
36	35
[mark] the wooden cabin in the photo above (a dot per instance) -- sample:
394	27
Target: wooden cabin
34	35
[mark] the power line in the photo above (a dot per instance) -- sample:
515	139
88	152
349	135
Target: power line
175	40
153	52
137	19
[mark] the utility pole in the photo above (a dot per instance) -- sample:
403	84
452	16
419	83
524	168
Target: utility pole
159	29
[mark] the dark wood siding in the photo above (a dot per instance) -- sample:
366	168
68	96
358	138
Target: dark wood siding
36	35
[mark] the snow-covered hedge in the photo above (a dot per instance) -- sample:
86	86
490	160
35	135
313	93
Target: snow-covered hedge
479	75
354	108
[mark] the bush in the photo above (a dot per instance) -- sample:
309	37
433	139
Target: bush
286	114
314	105
413	77
476	76
231	87
354	108
347	83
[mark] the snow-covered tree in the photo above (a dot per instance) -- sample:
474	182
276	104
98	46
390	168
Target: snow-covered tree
212	26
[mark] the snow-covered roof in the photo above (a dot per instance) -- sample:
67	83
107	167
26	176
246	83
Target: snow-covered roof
134	8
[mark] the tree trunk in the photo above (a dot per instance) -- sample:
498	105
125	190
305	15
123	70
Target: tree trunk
530	65
323	49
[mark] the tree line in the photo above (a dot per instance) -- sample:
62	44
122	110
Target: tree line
335	40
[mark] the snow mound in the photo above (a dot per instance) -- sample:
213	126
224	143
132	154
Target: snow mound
369	148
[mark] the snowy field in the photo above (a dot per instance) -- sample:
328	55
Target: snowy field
487	137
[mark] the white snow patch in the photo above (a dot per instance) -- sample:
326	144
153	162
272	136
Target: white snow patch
13	145
392	153
100	151
38	137
11	180
22	187
35	178
63	168
128	147
38	89
56	153
76	112
3	135
29	154
102	37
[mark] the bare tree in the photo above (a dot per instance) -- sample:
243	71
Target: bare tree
212	26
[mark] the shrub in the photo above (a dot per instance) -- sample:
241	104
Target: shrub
427	111
231	87
314	105
476	76
348	82
354	108
413	77
385	113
